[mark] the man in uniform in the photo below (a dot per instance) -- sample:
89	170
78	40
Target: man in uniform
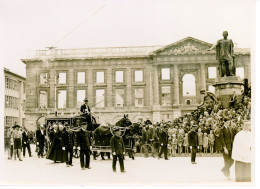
83	141
193	142
163	137
68	143
26	142
118	150
86	112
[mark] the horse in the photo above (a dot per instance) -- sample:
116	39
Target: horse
103	134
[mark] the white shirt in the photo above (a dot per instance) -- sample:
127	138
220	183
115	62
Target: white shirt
242	147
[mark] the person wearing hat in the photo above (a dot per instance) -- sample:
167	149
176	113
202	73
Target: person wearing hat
68	144
17	140
40	140
118	150
84	145
163	138
193	142
26	142
85	107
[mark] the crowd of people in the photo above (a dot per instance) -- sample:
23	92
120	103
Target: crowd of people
204	130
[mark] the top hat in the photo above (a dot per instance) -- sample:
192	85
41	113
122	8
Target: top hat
85	100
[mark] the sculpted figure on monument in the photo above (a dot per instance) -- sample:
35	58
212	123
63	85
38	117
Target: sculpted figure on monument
225	56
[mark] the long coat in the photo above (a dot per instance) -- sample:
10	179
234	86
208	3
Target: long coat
193	138
68	140
117	145
226	137
83	140
25	138
40	137
164	138
55	152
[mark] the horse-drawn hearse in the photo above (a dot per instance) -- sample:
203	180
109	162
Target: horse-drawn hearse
100	134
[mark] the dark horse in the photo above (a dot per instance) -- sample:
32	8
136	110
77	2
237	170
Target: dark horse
103	134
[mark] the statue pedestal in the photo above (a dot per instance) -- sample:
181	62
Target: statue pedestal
224	87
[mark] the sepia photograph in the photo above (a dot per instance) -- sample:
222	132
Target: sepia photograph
127	92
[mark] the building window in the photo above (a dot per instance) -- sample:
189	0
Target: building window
10	121
43	78
165	73
100	98
119	76
212	72
62	78
120	96
100	77
7	82
81	95
139	76
11	102
62	99
211	89
166	96
43	99
240	72
81	77
139	97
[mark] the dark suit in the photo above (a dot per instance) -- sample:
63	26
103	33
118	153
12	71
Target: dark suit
226	138
163	137
117	147
26	143
193	141
84	108
68	142
40	138
83	141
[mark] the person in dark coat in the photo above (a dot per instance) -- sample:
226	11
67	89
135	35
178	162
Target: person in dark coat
163	138
68	144
40	140
226	138
84	145
118	150
26	142
193	142
55	152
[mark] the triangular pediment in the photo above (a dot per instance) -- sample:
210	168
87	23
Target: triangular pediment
187	45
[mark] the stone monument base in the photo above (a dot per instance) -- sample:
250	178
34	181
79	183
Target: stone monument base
225	86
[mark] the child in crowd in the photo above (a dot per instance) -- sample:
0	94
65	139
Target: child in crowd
200	139
211	141
205	143
174	145
180	141
186	143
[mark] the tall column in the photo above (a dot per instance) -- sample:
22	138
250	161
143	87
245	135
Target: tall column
202	82
109	92
203	77
71	96
128	87
151	85
90	94
156	86
52	102
176	97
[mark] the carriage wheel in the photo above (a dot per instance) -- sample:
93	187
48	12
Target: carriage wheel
146	150
156	149
76	153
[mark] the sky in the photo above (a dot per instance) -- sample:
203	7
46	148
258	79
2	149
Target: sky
33	25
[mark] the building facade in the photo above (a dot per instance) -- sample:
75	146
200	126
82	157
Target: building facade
155	82
14	106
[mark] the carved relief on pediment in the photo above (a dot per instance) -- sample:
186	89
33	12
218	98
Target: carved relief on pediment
189	46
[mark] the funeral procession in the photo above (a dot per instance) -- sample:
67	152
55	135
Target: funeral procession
169	114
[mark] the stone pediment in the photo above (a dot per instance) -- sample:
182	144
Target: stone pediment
187	45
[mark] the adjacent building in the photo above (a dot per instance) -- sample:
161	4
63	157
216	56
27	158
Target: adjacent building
14	103
155	82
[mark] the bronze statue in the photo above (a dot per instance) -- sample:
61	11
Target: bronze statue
225	56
